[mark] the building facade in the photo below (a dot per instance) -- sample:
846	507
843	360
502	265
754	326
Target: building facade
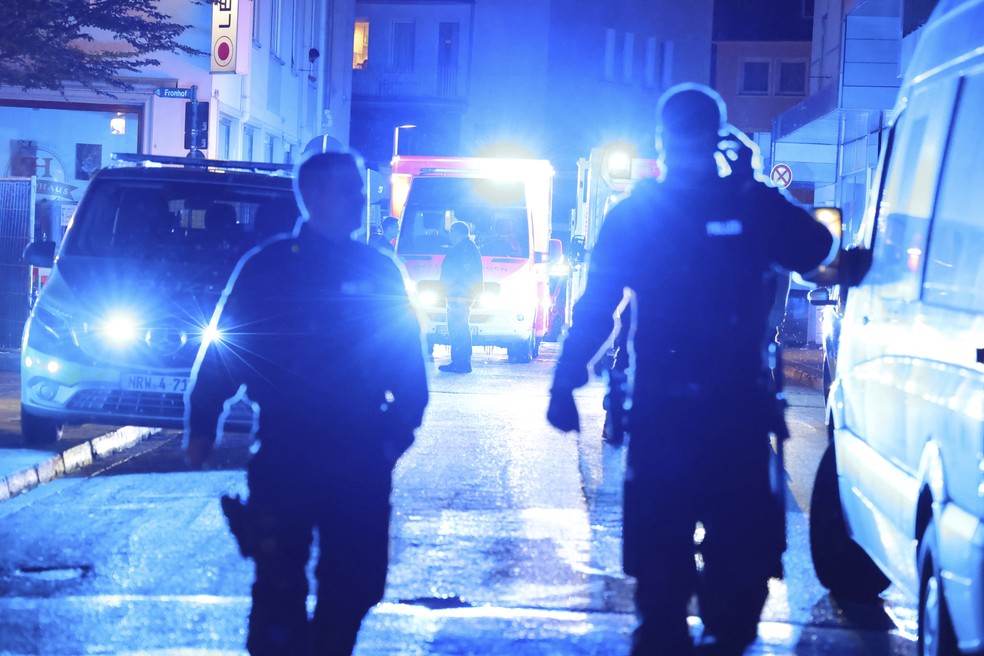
276	73
831	139
539	78
761	58
290	82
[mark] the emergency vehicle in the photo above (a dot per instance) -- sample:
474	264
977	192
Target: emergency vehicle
116	328
603	179
507	204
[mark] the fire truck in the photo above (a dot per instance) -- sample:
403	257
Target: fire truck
604	178
507	204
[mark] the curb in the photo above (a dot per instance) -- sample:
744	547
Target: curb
10	360
808	378
72	459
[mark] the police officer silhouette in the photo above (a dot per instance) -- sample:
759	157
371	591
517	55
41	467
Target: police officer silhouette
698	253
318	331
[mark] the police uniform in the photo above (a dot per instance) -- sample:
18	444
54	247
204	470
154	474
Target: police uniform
698	253
325	340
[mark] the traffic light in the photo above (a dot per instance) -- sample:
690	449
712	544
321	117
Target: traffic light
196	116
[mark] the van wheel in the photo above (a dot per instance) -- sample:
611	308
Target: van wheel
39	430
523	352
827	380
936	637
842	566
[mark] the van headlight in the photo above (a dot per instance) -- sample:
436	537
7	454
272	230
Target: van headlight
488	300
428	297
47	331
119	330
429	293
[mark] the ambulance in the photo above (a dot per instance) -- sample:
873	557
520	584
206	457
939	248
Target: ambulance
507	204
605	177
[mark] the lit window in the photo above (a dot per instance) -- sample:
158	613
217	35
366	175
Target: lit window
360	46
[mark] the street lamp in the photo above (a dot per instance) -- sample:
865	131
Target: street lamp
396	137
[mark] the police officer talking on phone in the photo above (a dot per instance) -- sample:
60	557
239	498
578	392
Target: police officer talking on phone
696	253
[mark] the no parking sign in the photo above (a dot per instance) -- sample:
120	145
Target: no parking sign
782	175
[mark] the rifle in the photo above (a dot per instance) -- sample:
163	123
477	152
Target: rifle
780	433
614	403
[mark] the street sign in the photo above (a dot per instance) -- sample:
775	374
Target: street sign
782	175
196	121
175	92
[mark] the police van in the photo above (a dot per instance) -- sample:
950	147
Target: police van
116	327
899	494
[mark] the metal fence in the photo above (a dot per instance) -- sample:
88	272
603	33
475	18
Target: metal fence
17	197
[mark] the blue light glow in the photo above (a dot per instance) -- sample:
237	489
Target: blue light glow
120	329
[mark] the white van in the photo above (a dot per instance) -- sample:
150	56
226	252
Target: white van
899	495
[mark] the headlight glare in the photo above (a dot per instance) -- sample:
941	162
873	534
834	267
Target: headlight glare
428	297
119	329
210	334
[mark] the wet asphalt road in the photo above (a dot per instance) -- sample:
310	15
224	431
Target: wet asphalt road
504	540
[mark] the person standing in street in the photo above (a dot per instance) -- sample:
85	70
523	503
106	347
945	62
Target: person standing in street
318	331
385	240
697	253
463	280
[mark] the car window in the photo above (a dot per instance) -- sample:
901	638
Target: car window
494	209
180	220
955	262
910	189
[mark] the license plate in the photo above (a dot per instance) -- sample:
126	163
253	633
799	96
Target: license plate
146	383
442	330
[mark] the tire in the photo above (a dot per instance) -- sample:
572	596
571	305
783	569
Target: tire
522	352
936	636
841	565
39	430
827	381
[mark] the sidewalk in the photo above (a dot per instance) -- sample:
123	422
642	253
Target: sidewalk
26	466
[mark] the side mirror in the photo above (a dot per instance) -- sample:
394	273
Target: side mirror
577	250
832	219
820	296
40	254
827	275
555	251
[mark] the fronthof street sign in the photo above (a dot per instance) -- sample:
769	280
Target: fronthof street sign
183	93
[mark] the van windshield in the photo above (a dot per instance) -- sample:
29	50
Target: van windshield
494	209
178	220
